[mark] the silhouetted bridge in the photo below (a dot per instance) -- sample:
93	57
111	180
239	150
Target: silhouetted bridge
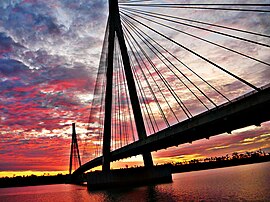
144	89
250	109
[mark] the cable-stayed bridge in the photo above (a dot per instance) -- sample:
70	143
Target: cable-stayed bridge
172	73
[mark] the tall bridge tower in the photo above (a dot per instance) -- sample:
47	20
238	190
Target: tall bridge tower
115	30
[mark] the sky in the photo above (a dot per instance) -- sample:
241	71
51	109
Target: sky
49	58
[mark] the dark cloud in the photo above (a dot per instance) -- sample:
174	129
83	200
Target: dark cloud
33	19
5	44
8	46
11	67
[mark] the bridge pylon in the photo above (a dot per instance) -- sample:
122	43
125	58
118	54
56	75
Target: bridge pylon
74	150
115	29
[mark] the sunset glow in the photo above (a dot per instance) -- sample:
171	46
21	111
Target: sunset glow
49	59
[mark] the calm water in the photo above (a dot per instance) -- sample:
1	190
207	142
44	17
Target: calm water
241	183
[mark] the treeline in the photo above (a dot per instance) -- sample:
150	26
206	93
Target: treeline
222	161
33	180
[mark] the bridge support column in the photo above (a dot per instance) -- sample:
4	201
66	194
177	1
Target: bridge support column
128	177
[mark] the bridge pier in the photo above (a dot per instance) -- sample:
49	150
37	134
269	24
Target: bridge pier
128	177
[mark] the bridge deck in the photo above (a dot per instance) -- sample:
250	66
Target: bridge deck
250	109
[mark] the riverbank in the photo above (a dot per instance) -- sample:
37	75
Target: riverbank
180	168
33	180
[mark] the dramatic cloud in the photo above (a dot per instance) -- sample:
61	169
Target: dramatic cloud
49	60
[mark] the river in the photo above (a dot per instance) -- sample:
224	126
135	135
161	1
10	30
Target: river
239	183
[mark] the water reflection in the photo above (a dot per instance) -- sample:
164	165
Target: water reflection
151	193
159	193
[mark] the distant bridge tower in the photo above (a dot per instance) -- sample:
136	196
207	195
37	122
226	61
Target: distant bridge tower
74	150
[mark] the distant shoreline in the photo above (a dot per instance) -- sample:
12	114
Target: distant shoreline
217	164
33	180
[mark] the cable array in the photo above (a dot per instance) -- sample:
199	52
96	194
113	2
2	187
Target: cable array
155	66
